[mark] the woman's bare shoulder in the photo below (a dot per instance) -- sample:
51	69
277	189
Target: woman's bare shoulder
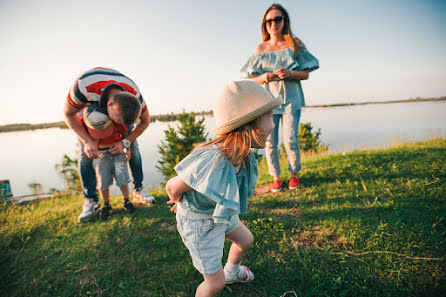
261	48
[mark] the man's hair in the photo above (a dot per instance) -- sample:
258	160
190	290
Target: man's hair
128	105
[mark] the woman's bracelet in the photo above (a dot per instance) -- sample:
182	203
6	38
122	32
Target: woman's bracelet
291	74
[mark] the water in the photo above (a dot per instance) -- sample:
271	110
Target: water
30	156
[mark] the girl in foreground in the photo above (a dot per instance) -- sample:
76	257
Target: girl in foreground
214	182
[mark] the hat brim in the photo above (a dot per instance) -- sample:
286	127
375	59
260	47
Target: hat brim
101	133
238	122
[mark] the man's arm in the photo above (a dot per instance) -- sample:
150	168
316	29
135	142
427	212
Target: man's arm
144	121
75	124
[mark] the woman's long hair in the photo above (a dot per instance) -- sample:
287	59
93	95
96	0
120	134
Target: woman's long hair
236	144
292	40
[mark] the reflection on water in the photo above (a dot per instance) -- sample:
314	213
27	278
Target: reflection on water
30	156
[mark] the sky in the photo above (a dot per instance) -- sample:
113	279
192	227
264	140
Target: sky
182	53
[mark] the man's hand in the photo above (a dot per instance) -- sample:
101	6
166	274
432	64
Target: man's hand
116	148
91	150
127	154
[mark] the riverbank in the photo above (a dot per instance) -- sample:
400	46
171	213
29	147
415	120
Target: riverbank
172	117
367	223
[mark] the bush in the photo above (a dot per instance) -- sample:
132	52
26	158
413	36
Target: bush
179	143
309	141
68	170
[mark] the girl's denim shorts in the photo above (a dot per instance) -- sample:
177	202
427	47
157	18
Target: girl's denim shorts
203	238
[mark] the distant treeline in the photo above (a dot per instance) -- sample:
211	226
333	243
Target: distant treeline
23	127
379	102
171	117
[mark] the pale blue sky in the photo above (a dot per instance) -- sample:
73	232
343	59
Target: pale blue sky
182	53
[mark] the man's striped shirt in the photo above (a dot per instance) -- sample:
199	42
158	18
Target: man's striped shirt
92	86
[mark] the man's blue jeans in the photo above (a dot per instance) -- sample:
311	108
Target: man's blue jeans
88	176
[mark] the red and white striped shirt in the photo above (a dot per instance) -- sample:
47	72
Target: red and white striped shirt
92	86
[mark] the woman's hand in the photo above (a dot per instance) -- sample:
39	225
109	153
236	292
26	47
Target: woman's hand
284	73
268	76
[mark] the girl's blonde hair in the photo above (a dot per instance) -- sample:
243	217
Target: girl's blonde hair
236	144
292	40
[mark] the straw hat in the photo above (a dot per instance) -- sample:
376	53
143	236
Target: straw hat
98	123
241	102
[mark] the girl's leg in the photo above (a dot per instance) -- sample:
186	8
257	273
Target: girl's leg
212	284
242	240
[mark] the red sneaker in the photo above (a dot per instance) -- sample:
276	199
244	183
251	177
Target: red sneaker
276	186
294	182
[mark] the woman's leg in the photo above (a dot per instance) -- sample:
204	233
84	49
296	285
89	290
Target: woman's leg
290	128
212	284
271	150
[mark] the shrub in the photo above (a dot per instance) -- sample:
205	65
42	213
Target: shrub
309	141
179	143
68	169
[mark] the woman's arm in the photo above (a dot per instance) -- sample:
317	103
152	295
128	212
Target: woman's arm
264	78
284	73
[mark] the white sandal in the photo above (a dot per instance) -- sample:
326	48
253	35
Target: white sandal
244	276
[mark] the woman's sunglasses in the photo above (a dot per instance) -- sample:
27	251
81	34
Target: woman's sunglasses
276	20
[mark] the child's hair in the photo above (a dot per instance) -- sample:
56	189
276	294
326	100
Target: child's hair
236	144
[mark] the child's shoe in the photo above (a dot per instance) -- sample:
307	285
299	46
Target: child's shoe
244	275
294	182
129	206
106	211
276	186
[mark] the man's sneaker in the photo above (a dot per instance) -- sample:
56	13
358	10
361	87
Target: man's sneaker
129	206
244	275
89	209
142	196
106	211
294	182
276	186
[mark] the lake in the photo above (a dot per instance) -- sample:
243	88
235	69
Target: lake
30	156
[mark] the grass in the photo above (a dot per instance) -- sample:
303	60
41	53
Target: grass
370	223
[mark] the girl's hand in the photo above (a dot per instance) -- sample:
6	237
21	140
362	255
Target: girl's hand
173	208
283	73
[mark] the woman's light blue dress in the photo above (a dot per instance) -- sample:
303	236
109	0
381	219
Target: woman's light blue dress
290	91
217	188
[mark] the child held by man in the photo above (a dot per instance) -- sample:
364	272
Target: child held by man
108	166
214	182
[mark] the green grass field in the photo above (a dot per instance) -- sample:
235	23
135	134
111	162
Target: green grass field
370	223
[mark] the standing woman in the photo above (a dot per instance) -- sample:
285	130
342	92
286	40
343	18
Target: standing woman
279	63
